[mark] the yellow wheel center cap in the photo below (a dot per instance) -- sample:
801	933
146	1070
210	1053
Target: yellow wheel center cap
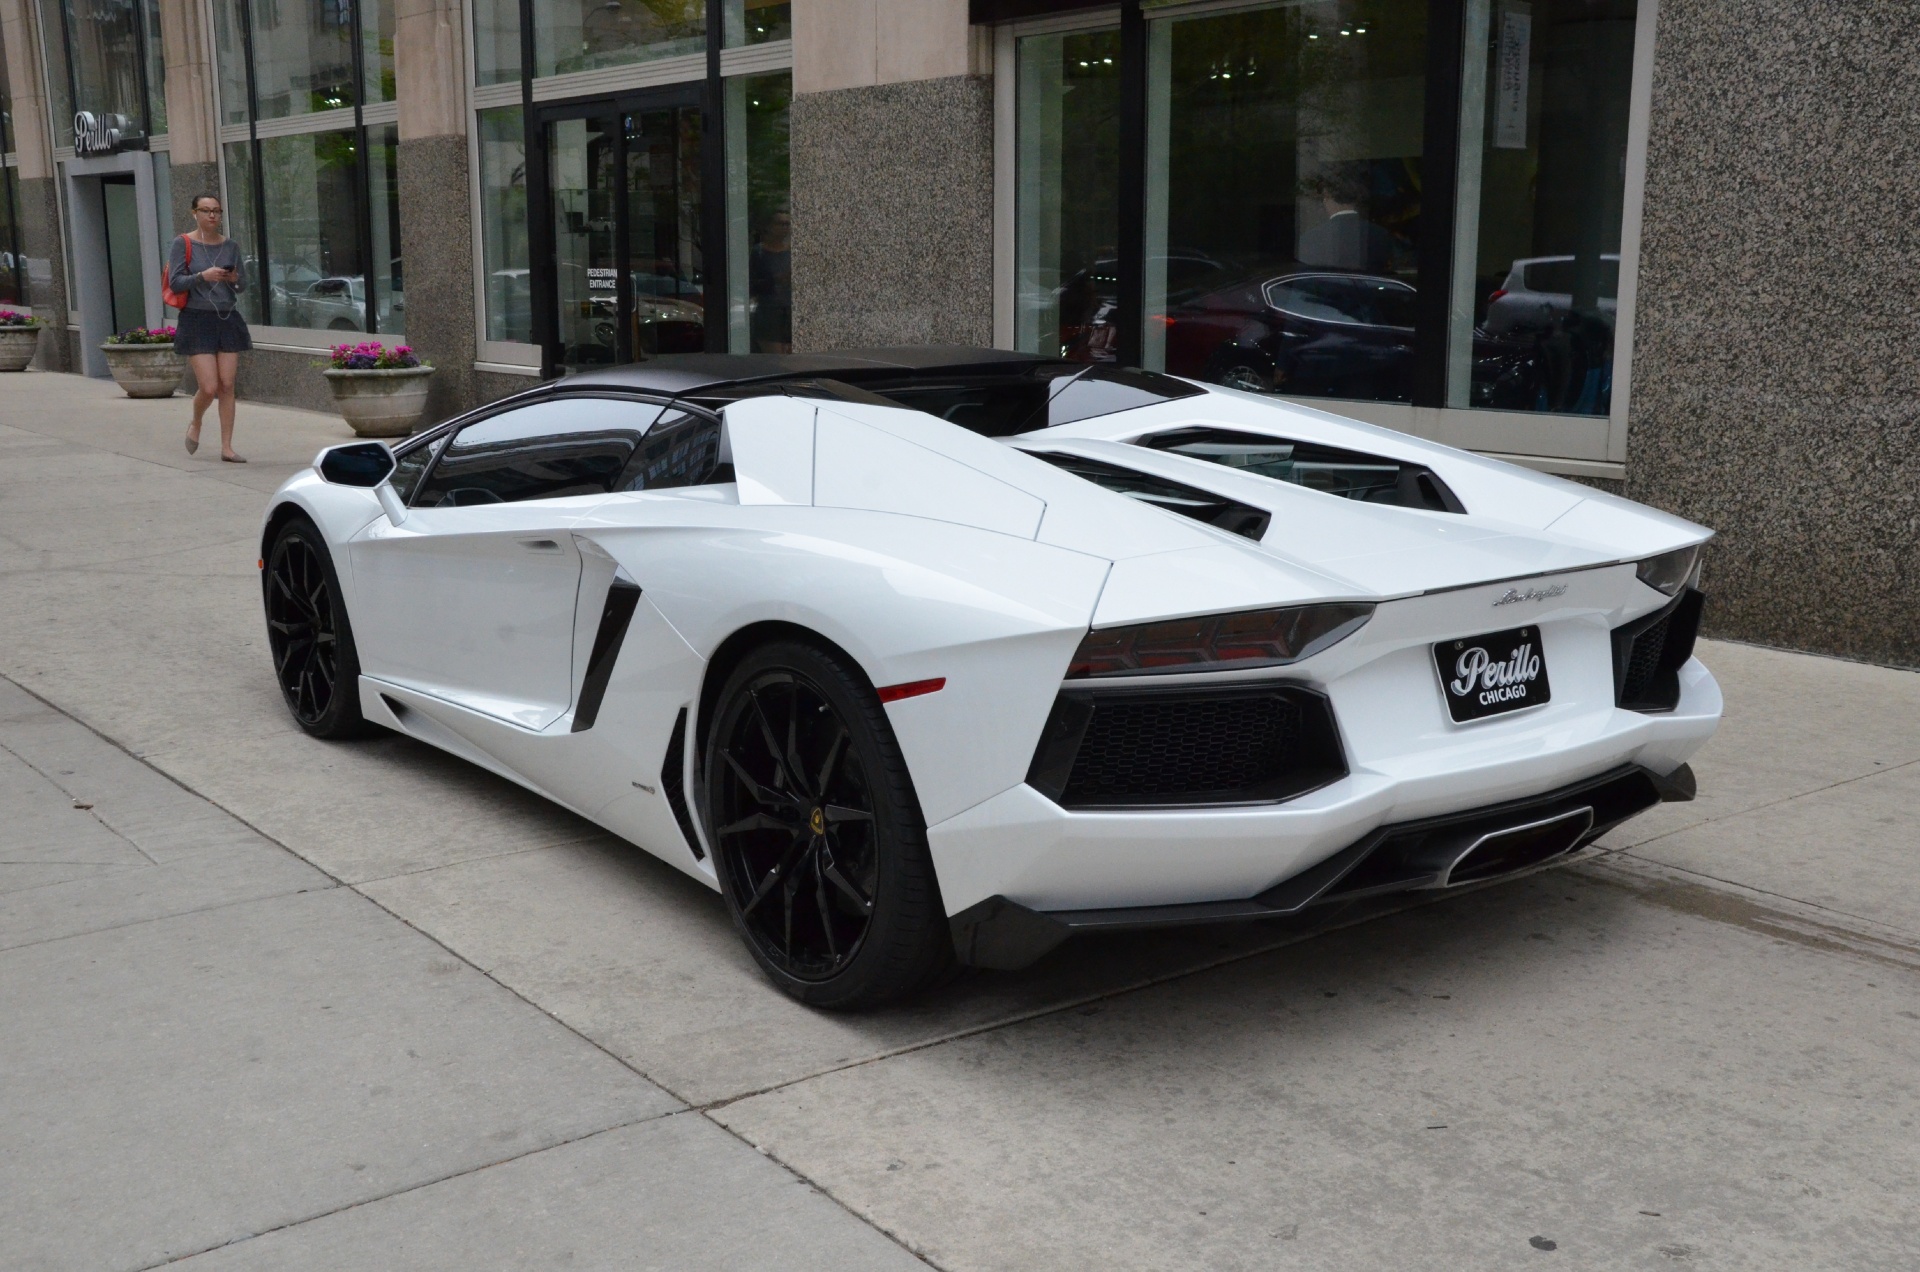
818	822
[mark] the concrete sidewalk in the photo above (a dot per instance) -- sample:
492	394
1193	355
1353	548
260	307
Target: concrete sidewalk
305	1005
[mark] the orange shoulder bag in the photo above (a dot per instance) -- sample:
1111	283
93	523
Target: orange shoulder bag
172	298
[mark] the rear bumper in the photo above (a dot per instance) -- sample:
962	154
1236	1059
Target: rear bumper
1452	850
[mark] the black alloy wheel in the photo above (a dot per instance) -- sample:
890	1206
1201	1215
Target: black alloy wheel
818	838
312	645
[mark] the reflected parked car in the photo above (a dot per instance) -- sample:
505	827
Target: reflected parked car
340	304
1538	292
1320	333
1533	309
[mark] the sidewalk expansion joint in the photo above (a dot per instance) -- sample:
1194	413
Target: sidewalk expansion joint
411	1188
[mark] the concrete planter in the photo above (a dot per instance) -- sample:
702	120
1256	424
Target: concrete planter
16	347
143	370
380	403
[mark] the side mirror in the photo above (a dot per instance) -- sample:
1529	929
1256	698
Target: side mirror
364	464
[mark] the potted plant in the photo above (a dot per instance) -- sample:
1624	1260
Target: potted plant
142	361
19	333
381	392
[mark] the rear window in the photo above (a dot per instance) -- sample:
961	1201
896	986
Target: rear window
1330	470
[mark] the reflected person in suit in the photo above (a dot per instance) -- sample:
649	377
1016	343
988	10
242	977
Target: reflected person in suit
1346	240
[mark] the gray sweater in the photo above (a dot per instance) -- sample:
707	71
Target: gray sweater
201	294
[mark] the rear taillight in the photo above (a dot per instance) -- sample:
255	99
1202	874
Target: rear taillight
1498	293
1256	638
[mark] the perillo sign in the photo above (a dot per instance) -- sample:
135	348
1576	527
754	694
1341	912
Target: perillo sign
100	134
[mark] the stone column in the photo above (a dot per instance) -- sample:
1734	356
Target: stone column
35	181
436	219
892	136
194	157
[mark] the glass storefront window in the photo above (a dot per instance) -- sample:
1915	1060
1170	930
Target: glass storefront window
582	35
496	41
1542	189
106	52
59	89
302	56
376	45
241	225
758	21
1067	139
759	215
156	70
316	272
1283	196
230	60
503	224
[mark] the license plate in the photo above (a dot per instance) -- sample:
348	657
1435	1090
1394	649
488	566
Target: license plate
1490	675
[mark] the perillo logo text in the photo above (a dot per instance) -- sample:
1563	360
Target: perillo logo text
1496	681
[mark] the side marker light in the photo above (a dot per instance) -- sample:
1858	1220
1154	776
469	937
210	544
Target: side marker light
911	689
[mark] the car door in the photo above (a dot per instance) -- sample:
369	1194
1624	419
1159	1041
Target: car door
472	597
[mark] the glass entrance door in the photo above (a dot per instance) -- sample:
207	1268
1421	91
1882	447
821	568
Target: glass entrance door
126	277
624	187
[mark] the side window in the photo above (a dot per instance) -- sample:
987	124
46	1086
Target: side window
547	450
681	449
410	465
1318	298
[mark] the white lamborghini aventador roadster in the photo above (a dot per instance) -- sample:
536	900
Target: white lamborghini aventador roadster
942	655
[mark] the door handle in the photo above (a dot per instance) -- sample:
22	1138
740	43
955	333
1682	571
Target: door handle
540	545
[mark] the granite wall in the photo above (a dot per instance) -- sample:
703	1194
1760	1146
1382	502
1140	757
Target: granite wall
284	379
437	244
39	212
1776	376
893	214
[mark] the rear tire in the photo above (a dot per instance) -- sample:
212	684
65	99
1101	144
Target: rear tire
818	838
314	658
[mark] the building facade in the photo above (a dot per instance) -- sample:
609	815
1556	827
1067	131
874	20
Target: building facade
1599	237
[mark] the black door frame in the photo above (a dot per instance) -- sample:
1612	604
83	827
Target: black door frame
544	243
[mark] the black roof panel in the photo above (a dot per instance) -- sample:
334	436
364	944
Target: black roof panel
680	373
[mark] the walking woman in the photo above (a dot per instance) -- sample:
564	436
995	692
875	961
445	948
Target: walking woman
205	267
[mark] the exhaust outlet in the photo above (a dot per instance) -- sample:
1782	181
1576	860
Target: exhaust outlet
1502	852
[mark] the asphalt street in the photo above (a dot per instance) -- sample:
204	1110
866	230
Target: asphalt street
267	1002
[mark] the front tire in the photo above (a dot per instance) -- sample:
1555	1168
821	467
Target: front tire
314	658
818	838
